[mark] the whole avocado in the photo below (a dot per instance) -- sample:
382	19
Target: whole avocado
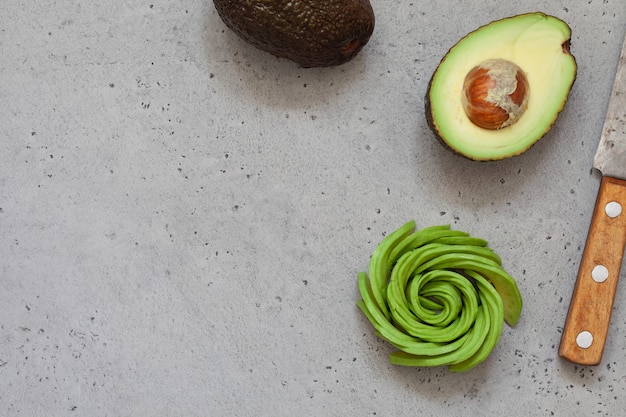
311	33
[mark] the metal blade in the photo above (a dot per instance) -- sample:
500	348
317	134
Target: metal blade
610	157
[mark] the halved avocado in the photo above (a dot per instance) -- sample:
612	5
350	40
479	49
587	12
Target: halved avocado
536	43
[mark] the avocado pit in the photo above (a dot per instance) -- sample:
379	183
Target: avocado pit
495	94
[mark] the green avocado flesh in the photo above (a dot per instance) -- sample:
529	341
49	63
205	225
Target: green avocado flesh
439	296
539	45
309	32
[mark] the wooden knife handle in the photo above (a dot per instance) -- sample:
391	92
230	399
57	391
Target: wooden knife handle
587	323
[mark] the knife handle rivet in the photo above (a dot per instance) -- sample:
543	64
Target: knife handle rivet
613	209
584	340
600	273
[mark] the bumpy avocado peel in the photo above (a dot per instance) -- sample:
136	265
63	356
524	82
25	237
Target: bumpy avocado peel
440	296
310	33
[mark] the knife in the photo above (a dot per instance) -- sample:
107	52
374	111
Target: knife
587	323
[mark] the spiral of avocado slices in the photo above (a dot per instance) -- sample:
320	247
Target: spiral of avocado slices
439	296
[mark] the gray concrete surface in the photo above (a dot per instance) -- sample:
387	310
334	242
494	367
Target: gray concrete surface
182	216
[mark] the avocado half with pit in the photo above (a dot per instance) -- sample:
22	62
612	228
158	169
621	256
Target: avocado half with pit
501	88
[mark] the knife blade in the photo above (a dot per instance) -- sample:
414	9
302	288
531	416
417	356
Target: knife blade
587	323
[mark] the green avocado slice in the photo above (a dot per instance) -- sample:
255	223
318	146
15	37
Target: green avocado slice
439	296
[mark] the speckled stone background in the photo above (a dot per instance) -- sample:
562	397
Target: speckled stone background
182	216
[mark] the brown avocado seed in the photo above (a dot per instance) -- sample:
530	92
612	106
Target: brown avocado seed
495	94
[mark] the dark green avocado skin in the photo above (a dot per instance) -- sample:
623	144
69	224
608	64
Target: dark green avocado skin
311	33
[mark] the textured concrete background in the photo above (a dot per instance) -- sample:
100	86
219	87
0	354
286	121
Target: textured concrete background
182	217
